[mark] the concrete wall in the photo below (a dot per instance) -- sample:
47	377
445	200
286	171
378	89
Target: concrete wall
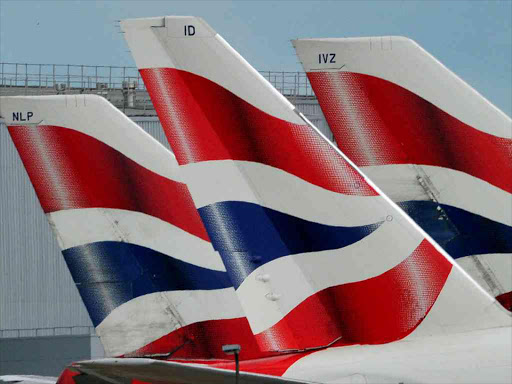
44	355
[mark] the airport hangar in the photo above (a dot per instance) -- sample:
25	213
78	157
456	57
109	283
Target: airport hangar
43	323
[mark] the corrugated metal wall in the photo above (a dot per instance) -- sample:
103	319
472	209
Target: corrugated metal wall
311	109
153	127
36	289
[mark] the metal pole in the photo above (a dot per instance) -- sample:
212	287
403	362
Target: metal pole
237	365
26	78
230	349
296	86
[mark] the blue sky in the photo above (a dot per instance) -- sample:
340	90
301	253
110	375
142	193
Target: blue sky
473	38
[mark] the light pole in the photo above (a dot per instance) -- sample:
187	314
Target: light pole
231	349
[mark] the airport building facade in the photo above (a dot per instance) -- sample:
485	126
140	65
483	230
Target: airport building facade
43	323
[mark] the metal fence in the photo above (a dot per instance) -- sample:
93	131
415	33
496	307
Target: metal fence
62	77
53	331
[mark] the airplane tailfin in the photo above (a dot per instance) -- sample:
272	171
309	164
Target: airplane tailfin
430	141
128	229
307	240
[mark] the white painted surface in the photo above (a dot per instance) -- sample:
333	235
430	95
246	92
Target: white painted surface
28	379
499	265
475	357
76	227
273	188
450	187
145	319
459	308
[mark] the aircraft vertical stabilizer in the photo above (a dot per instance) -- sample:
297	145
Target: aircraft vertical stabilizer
307	240
128	229
430	141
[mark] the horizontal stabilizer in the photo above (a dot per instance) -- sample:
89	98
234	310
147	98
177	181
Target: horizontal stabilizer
170	372
27	379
